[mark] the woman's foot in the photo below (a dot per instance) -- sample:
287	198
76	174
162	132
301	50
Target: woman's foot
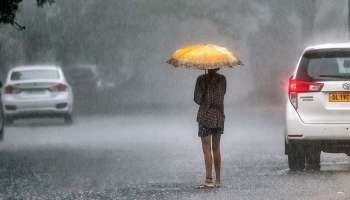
217	184
207	184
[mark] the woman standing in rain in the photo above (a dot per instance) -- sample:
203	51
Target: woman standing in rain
209	95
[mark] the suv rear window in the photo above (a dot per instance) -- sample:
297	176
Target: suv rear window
330	65
34	74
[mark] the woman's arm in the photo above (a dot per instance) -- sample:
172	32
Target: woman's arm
224	85
198	92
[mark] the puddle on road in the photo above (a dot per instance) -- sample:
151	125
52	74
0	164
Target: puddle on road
329	163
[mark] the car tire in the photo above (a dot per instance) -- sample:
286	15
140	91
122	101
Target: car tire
296	157
2	135
68	119
313	157
2	124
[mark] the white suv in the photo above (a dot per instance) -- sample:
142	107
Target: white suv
318	106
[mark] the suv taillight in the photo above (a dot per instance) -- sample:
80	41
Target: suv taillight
10	89
297	86
58	88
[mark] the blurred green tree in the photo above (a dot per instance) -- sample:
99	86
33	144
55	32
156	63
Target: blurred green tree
9	8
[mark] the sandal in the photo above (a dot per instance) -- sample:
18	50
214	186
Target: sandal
217	185
208	184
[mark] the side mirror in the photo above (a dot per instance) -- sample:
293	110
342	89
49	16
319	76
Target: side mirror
1	84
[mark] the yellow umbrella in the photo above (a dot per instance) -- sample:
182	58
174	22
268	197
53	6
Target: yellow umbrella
204	57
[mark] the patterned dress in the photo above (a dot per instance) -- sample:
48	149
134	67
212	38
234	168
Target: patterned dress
209	95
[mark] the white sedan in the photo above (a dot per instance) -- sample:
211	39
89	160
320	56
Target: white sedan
37	91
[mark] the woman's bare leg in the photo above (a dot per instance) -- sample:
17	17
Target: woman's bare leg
206	146
217	157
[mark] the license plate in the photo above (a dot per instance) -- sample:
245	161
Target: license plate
339	97
35	91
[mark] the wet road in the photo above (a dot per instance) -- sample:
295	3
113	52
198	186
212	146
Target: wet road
158	157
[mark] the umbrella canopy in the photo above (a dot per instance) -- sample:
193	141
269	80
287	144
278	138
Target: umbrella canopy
204	57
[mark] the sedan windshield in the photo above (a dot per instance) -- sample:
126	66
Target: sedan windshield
34	74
